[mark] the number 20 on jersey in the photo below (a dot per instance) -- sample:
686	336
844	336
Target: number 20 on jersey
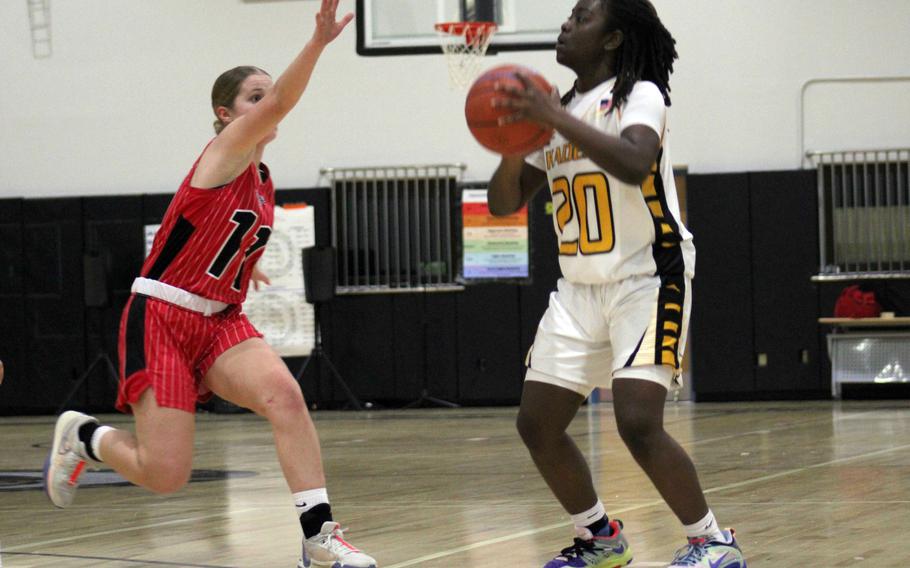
586	199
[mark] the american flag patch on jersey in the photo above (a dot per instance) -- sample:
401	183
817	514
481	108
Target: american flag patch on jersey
605	106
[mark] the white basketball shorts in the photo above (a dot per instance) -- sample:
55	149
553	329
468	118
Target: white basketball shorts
593	333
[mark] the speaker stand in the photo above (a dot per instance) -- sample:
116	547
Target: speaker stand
100	358
426	399
319	353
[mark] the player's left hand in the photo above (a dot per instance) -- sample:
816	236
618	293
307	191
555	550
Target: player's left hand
259	278
529	103
327	27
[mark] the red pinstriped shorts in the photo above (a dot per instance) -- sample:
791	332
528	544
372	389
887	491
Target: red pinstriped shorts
170	349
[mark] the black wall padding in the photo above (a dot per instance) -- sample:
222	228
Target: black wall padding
413	336
115	248
721	330
96	268
440	338
784	215
54	321
490	358
154	207
362	345
16	388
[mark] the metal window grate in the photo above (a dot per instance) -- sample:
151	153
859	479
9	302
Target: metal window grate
864	213
393	227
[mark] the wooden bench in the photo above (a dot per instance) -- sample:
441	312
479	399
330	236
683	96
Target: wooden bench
868	350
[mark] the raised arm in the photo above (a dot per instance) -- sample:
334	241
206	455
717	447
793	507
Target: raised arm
513	184
629	157
235	147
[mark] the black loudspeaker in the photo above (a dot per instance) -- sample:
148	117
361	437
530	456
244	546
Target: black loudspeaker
319	274
319	287
96	270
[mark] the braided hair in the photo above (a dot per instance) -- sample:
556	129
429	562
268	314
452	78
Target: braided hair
647	52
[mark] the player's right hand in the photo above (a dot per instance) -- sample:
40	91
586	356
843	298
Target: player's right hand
529	103
327	27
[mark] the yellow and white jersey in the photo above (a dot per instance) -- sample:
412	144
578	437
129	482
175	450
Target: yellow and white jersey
609	230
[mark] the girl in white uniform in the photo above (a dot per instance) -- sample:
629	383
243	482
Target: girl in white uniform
619	316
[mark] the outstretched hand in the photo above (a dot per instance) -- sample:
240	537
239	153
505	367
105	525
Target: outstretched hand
327	26
259	278
529	102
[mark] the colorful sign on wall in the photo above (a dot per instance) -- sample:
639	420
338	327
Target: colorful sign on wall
494	247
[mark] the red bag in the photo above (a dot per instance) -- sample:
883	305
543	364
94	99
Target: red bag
853	302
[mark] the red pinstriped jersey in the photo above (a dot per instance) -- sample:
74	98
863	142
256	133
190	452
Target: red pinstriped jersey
210	239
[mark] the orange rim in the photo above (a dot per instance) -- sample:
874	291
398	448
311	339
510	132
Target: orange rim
470	30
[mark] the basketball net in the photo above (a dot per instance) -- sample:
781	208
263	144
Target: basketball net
464	45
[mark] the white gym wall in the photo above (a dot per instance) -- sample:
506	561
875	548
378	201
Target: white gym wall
122	106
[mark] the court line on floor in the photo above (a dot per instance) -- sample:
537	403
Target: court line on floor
797	424
654	503
480	544
806	468
125	529
517	504
112	559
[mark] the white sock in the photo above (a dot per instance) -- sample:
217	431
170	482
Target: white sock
590	516
96	440
706	528
306	500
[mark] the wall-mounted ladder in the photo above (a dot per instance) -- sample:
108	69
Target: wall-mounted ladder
39	20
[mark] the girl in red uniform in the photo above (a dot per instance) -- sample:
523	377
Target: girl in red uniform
183	335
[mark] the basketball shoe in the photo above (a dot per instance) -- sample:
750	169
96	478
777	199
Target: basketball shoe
701	553
595	551
328	548
66	460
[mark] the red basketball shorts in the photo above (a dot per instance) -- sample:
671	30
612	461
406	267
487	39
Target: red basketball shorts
170	349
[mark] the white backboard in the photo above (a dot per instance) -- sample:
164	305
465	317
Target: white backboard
405	27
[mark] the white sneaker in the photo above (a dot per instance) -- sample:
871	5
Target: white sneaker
328	548
66	460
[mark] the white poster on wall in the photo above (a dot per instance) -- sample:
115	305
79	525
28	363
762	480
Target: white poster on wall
150	231
280	311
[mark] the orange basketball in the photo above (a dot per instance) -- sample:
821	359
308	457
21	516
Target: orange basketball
517	138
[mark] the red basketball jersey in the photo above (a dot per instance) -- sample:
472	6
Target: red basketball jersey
210	239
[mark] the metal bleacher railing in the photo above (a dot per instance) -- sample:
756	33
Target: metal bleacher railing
863	194
863	214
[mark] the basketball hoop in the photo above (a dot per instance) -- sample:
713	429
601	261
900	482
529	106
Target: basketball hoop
464	44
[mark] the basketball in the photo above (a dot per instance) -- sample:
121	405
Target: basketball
515	139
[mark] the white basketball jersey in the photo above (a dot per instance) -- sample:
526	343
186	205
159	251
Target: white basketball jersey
609	230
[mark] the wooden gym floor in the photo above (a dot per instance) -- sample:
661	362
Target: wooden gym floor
809	484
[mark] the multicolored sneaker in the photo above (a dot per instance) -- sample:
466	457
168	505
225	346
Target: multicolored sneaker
701	553
66	460
328	548
595	551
